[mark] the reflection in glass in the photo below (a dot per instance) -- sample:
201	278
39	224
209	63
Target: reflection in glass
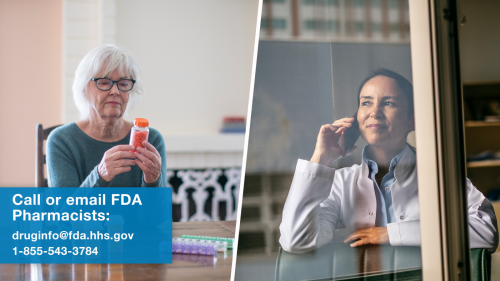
92	272
60	272
375	20
36	272
78	272
115	272
200	259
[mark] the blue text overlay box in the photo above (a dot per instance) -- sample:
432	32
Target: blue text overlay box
85	225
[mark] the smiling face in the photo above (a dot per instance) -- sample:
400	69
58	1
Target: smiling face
383	114
111	103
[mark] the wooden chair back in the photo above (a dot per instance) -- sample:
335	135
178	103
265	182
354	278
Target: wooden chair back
41	136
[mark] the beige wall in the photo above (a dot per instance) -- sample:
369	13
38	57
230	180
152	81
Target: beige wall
480	41
30	82
196	59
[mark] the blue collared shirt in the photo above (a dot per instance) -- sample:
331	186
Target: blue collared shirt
385	211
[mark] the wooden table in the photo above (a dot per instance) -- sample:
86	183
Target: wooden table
183	267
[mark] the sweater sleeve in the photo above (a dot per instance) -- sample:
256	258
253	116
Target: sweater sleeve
61	166
159	144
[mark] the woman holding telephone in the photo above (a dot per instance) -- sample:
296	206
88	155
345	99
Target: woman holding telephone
375	202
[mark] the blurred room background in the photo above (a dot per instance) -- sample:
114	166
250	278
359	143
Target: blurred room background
196	59
312	56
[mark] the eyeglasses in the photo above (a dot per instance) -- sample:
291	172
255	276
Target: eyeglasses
105	84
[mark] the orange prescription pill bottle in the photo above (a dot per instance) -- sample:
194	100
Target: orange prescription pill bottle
139	132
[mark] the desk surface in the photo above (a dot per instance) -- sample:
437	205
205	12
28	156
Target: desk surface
183	267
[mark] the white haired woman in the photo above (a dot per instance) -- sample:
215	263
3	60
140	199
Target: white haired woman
95	151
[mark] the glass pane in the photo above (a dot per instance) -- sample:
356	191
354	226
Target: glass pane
319	62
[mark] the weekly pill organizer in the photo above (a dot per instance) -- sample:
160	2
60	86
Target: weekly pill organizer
197	246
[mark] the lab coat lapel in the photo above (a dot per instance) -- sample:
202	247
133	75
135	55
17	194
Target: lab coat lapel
404	191
365	205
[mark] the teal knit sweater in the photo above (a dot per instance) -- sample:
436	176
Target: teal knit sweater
73	157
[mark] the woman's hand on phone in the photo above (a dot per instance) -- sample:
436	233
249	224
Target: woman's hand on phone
327	145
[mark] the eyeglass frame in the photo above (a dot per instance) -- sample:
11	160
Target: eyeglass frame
113	83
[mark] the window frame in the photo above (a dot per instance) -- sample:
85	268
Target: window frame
440	140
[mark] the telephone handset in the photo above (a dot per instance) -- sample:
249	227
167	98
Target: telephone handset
350	136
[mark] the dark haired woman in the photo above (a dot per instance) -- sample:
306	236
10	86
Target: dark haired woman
375	202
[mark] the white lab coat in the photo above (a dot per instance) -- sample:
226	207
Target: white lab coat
326	205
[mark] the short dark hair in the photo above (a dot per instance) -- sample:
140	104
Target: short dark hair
402	82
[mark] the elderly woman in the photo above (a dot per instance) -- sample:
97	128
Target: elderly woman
95	151
375	202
